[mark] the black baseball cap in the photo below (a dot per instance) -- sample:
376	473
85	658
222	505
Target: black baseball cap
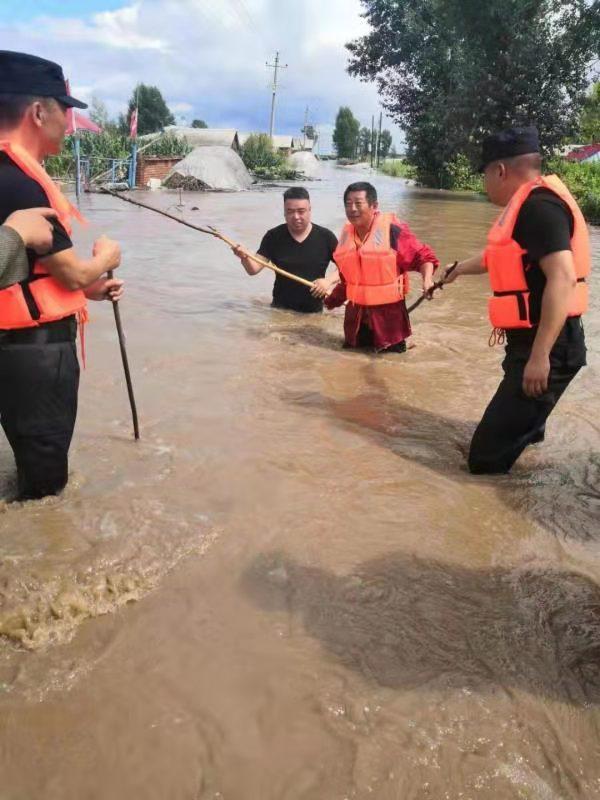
21	73
508	143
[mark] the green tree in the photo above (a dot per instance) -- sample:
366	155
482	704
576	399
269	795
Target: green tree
385	143
589	122
345	134
364	143
199	123
452	71
153	114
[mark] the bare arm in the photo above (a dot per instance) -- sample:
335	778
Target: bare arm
251	267
78	273
470	266
426	271
561	281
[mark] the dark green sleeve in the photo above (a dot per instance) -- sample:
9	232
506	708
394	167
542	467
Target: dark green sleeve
14	266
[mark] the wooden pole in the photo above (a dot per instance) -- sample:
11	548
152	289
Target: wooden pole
437	285
213	232
121	335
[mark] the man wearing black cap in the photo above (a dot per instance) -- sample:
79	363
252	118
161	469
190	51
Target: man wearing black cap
537	258
39	372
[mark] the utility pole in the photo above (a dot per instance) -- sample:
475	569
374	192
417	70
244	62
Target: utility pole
372	138
379	138
275	67
304	128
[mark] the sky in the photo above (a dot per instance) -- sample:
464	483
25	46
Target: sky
206	56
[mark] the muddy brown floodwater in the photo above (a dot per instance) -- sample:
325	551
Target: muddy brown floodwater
328	606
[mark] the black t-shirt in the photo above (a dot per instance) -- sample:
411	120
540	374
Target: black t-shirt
308	259
18	191
544	225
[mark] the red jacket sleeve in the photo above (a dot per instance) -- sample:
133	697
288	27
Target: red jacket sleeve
412	253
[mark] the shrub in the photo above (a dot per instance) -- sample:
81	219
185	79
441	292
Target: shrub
398	168
583	181
263	161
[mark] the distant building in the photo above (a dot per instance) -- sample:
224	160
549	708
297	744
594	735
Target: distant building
283	143
199	137
584	153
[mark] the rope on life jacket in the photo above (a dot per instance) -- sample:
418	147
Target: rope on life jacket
497	336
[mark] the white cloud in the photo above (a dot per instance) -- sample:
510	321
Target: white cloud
208	57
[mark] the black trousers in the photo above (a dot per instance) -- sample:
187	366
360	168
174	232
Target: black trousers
39	380
512	421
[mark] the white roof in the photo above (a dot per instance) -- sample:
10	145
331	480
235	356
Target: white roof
283	142
205	137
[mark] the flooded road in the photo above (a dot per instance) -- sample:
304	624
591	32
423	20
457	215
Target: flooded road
329	606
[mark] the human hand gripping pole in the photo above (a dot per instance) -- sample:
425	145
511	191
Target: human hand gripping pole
437	285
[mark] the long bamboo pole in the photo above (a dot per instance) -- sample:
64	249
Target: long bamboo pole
217	234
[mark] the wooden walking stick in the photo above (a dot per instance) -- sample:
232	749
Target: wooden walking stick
213	232
437	285
121	335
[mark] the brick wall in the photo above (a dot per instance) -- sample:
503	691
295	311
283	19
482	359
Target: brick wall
154	167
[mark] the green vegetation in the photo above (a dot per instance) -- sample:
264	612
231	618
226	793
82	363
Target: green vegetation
168	145
459	175
450	72
153	113
101	148
264	162
346	133
398	168
589	122
583	181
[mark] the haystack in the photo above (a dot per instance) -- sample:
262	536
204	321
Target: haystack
305	163
216	168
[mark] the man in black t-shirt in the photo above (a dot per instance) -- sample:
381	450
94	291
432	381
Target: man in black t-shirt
545	344
300	247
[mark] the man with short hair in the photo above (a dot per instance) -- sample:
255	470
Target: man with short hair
300	247
39	372
537	258
375	253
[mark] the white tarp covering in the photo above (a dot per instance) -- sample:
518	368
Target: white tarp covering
217	168
306	163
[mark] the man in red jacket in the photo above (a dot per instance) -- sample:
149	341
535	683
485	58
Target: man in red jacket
374	255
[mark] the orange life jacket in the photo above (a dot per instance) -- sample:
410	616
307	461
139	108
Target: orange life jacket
503	258
40	297
370	270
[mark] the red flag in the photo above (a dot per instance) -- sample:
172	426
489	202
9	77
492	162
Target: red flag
133	124
78	122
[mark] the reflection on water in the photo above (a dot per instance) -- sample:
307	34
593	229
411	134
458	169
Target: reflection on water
352	615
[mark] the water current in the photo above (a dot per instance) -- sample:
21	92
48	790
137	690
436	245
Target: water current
291	588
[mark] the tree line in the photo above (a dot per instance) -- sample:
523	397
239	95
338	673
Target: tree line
450	72
355	142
